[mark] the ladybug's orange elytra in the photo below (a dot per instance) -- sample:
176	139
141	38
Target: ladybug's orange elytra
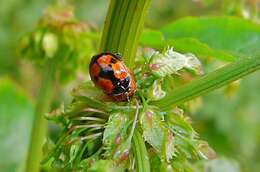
109	73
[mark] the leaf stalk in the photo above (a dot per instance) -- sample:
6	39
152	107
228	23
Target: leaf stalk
39	128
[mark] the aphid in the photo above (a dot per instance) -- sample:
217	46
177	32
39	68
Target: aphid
109	73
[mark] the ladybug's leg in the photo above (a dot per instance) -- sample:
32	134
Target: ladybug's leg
127	96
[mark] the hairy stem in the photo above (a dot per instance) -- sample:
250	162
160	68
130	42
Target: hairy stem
39	128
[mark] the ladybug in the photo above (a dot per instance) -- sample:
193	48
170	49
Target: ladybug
109	73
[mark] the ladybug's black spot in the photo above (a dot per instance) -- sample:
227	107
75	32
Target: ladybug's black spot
113	60
122	86
125	83
106	72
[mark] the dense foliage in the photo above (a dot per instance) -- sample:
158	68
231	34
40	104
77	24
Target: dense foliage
175	64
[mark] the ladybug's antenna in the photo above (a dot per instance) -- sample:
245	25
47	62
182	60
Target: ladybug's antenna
128	98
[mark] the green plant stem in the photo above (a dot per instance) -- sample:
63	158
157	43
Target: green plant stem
123	27
39	128
141	155
122	30
212	81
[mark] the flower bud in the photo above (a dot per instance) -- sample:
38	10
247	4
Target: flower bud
50	44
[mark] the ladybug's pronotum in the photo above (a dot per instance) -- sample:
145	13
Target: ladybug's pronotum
109	73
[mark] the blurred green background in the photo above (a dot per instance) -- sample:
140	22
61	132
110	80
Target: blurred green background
229	118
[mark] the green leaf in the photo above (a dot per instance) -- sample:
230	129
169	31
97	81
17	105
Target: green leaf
87	89
152	38
67	41
168	146
186	142
156	134
92	103
16	114
115	132
209	82
181	124
156	39
74	151
156	92
198	48
232	35
152	129
171	62
106	166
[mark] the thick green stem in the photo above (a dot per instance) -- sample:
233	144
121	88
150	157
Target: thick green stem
212	81
121	34
123	27
39	128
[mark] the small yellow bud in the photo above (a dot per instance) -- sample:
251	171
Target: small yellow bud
50	44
